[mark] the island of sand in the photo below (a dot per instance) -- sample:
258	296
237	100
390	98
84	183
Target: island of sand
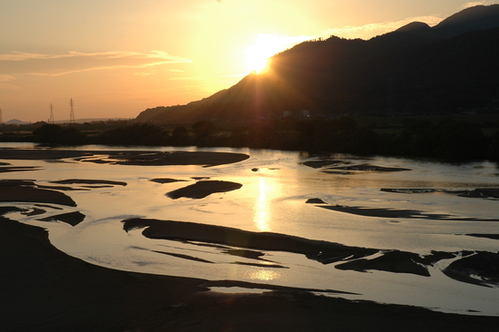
44	289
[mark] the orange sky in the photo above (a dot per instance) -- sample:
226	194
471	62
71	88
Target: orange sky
115	58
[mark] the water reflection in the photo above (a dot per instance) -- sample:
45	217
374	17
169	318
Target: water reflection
262	207
268	190
265	275
274	199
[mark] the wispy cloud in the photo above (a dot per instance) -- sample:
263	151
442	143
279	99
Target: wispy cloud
475	3
200	78
274	43
371	30
4	83
6	78
76	62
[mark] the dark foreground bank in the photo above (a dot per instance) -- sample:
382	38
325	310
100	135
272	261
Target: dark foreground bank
43	289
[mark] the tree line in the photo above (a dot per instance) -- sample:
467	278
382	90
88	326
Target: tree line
449	139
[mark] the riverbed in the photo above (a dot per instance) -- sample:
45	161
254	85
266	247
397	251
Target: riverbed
400	224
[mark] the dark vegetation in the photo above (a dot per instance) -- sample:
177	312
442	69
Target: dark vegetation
460	137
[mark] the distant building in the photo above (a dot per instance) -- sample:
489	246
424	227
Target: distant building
296	114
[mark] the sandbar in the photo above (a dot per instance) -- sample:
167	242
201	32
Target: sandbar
243	243
142	158
71	218
399	213
202	189
44	289
488	193
369	168
26	191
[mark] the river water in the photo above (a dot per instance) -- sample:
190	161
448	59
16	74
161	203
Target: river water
273	198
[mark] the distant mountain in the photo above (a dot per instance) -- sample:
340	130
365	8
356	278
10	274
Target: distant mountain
416	69
14	122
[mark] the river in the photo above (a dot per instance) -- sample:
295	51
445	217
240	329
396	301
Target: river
276	186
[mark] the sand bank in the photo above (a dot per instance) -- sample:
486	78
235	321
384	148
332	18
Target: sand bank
142	158
398	213
203	189
26	191
242	243
44	289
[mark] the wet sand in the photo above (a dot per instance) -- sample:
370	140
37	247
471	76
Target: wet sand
472	267
43	289
142	158
27	191
395	213
203	189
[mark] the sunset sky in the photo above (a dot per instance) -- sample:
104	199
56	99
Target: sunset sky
115	58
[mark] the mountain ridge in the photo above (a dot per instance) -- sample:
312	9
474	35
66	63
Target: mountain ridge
415	69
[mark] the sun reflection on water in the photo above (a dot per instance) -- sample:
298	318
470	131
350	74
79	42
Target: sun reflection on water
265	275
267	190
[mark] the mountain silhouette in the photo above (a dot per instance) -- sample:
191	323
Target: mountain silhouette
470	19
416	69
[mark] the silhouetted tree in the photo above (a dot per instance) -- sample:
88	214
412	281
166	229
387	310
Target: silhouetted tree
56	134
180	137
202	130
136	134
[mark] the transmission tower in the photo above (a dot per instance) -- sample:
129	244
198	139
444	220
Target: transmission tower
72	111
51	119
1	116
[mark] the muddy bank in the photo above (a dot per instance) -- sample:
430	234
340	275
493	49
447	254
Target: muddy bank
242	243
487	236
475	193
479	268
335	166
141	158
87	181
8	169
165	180
71	218
369	168
27	191
322	251
398	213
203	189
153	158
30	191
47	290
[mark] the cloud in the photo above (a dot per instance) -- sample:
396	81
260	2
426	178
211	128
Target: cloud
6	78
276	42
143	73
475	3
208	77
76	62
4	85
374	29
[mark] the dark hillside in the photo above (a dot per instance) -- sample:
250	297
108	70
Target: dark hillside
471	19
413	70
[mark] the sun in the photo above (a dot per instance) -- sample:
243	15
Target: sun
265	46
257	58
